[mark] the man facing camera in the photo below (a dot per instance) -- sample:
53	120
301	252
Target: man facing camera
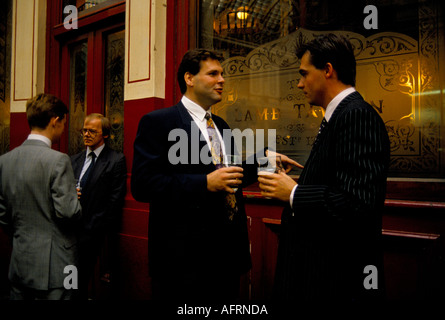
102	176
198	241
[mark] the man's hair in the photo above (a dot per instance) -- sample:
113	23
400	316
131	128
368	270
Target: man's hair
43	107
191	62
334	49
106	126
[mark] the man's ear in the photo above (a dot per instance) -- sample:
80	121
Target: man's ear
188	77
329	70
53	121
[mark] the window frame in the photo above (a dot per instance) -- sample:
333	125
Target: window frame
93	26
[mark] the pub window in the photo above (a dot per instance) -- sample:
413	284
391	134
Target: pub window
400	71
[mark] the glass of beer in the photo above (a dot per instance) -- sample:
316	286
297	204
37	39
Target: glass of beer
233	160
269	165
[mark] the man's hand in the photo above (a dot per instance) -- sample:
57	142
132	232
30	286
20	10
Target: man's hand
224	179
276	185
286	162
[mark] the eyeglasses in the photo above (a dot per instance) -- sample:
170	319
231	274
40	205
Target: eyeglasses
92	132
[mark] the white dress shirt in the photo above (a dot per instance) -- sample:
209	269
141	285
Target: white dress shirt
332	105
39	137
198	115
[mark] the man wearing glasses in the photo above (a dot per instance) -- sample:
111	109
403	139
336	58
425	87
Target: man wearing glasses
101	174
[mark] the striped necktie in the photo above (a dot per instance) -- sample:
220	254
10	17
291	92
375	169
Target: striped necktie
215	148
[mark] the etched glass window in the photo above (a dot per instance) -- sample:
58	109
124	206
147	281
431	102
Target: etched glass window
78	96
400	71
114	88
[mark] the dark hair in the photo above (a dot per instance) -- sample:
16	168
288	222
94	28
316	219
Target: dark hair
191	62
105	122
334	49
43	107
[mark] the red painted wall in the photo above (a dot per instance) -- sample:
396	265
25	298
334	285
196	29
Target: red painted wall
19	129
134	282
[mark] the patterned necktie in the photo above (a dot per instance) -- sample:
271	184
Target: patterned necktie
90	168
215	144
322	126
215	148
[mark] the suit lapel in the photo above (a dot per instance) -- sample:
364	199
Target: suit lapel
320	147
352	96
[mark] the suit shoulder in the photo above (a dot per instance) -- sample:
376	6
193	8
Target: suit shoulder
115	155
356	104
161	113
76	156
60	156
220	122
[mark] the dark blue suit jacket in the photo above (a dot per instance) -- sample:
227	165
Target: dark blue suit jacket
189	231
103	197
333	230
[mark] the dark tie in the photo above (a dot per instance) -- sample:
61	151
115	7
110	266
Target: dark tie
215	148
322	126
90	168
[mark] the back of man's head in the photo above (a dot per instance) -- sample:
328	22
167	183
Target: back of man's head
43	107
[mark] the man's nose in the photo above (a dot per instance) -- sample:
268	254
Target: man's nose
300	84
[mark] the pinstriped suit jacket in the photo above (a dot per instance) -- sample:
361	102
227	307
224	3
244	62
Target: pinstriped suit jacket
38	202
334	227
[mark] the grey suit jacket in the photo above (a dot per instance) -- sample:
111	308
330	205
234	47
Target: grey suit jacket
38	204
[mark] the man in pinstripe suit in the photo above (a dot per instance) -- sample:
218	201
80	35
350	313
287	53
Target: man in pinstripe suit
331	230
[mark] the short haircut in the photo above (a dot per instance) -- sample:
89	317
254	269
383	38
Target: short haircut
334	49
43	107
106	126
191	62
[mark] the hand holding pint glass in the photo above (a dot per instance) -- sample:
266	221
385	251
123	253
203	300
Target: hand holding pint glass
233	161
270	164
272	176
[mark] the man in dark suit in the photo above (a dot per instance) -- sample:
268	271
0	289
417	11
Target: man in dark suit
331	231
39	207
102	176
198	243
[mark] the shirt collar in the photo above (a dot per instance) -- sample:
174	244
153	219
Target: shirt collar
96	151
336	101
195	108
34	136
